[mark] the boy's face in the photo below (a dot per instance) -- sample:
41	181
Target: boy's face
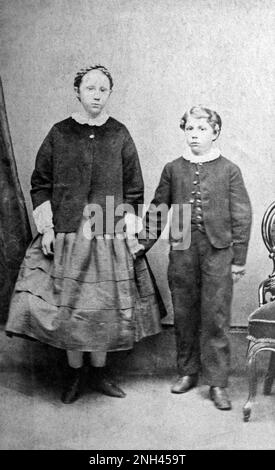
94	92
199	135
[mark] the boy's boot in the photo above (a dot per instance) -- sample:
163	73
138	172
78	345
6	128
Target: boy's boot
220	398
185	383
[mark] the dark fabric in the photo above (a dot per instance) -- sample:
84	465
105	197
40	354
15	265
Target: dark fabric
72	168
15	233
142	263
200	281
261	323
225	202
91	296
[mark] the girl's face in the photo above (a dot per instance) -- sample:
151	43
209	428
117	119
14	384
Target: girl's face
94	92
199	135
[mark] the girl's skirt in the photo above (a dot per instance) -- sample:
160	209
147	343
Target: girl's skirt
91	296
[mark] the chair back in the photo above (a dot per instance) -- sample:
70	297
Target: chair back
267	287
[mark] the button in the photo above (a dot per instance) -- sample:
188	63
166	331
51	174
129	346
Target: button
195	182
193	192
198	193
199	217
198	201
91	136
198	209
197	172
191	200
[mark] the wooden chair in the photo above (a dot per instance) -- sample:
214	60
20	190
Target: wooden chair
261	323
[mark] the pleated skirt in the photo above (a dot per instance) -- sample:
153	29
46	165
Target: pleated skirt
91	296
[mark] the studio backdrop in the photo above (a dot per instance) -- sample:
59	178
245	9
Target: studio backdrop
165	56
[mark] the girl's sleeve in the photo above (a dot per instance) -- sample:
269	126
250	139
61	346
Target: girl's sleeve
43	217
42	176
156	216
133	185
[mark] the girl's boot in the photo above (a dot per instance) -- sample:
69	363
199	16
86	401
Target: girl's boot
72	385
104	384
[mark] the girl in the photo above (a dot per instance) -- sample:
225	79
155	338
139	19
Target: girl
200	276
79	288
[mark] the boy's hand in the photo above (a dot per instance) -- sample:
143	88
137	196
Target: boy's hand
48	240
237	272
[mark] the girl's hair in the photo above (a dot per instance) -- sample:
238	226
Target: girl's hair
199	111
80	74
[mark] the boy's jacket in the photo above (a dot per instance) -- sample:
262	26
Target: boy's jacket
225	202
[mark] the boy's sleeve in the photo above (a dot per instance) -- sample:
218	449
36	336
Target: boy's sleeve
133	185
42	176
241	216
156	216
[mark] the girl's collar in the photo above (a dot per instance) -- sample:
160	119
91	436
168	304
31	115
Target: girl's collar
213	154
83	118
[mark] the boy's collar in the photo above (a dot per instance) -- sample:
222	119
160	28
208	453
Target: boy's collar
84	118
213	154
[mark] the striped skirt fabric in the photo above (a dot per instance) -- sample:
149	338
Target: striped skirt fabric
91	296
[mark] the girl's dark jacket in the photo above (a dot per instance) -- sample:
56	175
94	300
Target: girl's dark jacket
79	164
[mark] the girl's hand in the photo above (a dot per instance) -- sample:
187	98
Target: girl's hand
48	241
237	272
139	252
136	249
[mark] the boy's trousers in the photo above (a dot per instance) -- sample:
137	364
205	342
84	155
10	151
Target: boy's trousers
200	281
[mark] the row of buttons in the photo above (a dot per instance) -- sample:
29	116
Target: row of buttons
192	200
196	193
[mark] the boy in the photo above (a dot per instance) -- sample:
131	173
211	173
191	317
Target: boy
200	277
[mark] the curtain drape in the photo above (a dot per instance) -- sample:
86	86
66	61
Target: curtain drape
15	232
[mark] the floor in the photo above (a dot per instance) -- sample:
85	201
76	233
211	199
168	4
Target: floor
150	417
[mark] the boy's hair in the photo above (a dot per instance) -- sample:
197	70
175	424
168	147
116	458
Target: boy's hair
80	74
199	111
